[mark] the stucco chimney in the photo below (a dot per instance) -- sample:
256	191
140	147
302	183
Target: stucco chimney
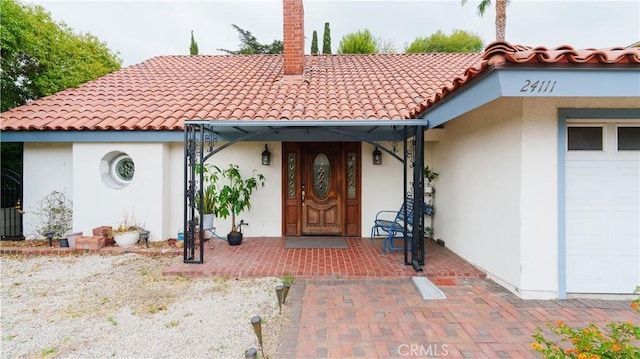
293	30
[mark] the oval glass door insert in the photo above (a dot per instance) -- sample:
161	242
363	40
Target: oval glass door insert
321	176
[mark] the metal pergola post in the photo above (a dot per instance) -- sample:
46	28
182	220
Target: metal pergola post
418	250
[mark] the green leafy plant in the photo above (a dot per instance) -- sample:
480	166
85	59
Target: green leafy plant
210	175
235	195
56	214
591	342
430	175
112	321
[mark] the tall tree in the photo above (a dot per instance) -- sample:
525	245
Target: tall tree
314	43
250	45
40	57
193	49
359	42
458	41
501	15
326	39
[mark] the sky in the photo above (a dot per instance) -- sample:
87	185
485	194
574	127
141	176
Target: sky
139	30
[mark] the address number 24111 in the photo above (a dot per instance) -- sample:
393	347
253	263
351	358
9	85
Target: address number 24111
538	86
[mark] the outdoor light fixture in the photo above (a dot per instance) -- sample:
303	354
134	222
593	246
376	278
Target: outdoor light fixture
256	323
144	236
279	290
377	157
49	236
285	290
251	353
266	156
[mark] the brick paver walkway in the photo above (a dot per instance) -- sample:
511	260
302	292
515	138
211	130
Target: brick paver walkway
389	318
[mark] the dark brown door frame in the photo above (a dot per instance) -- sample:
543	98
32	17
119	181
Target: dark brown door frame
292	167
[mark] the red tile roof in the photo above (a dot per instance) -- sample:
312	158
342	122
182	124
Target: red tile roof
160	93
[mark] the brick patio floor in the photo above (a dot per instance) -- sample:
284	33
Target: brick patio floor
260	257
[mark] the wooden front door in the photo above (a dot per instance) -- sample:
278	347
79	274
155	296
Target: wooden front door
321	189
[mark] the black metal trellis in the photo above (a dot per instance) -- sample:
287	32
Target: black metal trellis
201	139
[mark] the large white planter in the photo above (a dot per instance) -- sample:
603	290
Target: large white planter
127	239
207	221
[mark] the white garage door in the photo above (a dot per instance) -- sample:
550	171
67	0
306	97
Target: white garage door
603	207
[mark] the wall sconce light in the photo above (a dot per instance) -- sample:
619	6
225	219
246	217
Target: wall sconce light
377	157
266	156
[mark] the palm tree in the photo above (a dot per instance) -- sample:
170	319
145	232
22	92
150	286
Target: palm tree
501	15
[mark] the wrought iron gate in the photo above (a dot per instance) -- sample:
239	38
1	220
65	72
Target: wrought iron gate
11	200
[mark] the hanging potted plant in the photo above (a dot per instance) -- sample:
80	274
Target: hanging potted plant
430	176
235	196
207	205
127	232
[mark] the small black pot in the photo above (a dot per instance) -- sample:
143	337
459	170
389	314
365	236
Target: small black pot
234	238
63	242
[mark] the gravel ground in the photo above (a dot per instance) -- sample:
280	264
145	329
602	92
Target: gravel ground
90	306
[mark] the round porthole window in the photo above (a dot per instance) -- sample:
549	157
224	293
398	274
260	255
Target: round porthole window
122	169
117	169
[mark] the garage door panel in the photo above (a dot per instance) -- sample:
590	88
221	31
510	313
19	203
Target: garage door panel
626	226
590	273
582	225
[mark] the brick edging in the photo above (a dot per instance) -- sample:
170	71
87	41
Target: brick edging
57	251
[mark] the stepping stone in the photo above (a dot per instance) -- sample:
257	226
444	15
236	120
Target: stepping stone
427	289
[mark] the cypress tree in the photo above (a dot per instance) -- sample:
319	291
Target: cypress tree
314	43
193	49
326	39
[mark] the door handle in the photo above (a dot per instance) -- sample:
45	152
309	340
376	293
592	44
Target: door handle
302	198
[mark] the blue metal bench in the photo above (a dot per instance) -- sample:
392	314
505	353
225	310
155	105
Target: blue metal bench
390	224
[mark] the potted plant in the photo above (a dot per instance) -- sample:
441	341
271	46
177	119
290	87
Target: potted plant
127	232
56	214
209	192
430	176
235	196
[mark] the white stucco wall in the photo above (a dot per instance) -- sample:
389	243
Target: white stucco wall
96	204
381	185
477	199
156	194
47	167
539	200
176	190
